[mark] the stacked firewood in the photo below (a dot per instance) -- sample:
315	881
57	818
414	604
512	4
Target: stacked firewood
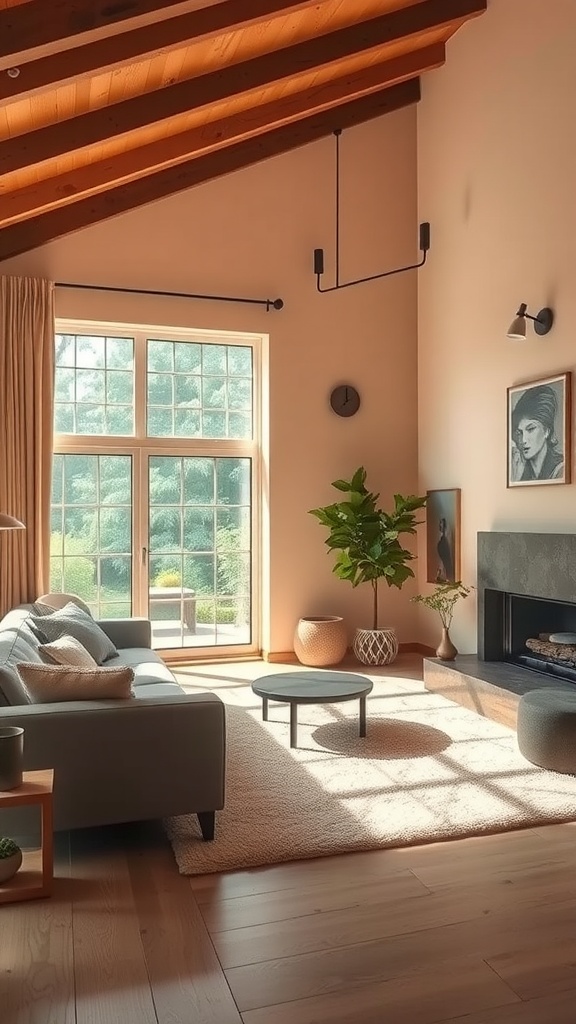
566	653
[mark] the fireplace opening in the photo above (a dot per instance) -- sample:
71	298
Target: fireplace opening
528	625
526	590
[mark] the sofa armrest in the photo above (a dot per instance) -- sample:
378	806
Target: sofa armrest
133	632
127	760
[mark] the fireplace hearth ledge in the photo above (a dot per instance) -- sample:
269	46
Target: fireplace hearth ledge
490	688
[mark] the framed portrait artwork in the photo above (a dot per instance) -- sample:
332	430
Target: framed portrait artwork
538	435
443	536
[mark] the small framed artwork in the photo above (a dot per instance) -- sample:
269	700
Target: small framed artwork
443	536
538	443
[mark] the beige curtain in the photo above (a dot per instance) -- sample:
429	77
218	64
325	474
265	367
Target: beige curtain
26	424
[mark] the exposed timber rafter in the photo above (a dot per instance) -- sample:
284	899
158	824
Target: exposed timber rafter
130	115
119	50
38	22
72	186
29	234
109	105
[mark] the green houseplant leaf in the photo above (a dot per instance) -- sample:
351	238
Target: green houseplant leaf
364	538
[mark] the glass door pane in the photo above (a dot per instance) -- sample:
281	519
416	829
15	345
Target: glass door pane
199	560
91	531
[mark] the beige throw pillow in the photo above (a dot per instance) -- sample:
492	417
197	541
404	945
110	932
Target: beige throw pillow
48	684
68	651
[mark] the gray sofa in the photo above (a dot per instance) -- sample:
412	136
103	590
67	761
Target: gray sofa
158	754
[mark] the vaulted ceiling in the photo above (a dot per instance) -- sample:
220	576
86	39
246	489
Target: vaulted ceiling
106	105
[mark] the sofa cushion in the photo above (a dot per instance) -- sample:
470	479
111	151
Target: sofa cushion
152	677
17	643
49	684
73	621
152	689
147	665
67	651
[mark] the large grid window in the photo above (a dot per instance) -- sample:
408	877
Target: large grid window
155	475
91	536
199	390
94	385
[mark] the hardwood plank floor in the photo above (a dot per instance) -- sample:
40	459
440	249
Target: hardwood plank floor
109	964
36	955
536	972
420	997
475	931
307	902
185	976
352	965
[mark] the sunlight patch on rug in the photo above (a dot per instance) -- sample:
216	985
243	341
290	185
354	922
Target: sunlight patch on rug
428	770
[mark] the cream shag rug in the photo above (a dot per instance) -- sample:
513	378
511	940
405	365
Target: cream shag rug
428	770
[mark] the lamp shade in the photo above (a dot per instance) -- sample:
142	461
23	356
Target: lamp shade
517	329
10	523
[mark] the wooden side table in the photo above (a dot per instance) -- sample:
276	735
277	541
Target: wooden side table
34	879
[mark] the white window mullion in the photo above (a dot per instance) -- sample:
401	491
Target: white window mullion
140	385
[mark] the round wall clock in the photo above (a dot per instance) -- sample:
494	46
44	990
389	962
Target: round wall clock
345	400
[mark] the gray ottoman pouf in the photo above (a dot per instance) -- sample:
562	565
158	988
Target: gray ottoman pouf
547	728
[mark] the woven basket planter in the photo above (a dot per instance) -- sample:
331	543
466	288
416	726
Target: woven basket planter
376	646
320	641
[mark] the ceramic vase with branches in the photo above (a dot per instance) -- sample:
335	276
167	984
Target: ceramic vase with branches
443	600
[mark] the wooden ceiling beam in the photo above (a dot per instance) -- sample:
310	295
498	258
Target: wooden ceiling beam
39	22
130	115
72	186
119	50
30	234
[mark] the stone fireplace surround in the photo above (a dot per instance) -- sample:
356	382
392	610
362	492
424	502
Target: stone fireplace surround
526	584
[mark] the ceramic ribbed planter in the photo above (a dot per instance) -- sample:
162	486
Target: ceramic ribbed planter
11	757
320	641
376	646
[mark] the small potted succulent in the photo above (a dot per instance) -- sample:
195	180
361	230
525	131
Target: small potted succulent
10	859
442	600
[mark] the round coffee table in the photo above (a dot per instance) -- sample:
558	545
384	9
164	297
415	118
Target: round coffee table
312	688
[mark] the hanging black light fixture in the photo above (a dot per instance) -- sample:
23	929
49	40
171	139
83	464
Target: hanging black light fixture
319	253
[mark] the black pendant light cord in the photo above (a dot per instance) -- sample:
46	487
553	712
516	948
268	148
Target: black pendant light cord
319	253
269	303
337	133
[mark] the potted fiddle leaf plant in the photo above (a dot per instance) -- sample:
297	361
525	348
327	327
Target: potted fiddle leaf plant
365	540
443	600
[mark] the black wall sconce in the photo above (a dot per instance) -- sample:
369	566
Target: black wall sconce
319	253
542	322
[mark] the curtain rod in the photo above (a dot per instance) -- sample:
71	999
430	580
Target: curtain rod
269	303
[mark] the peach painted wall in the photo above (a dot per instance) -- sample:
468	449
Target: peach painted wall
497	172
253	233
